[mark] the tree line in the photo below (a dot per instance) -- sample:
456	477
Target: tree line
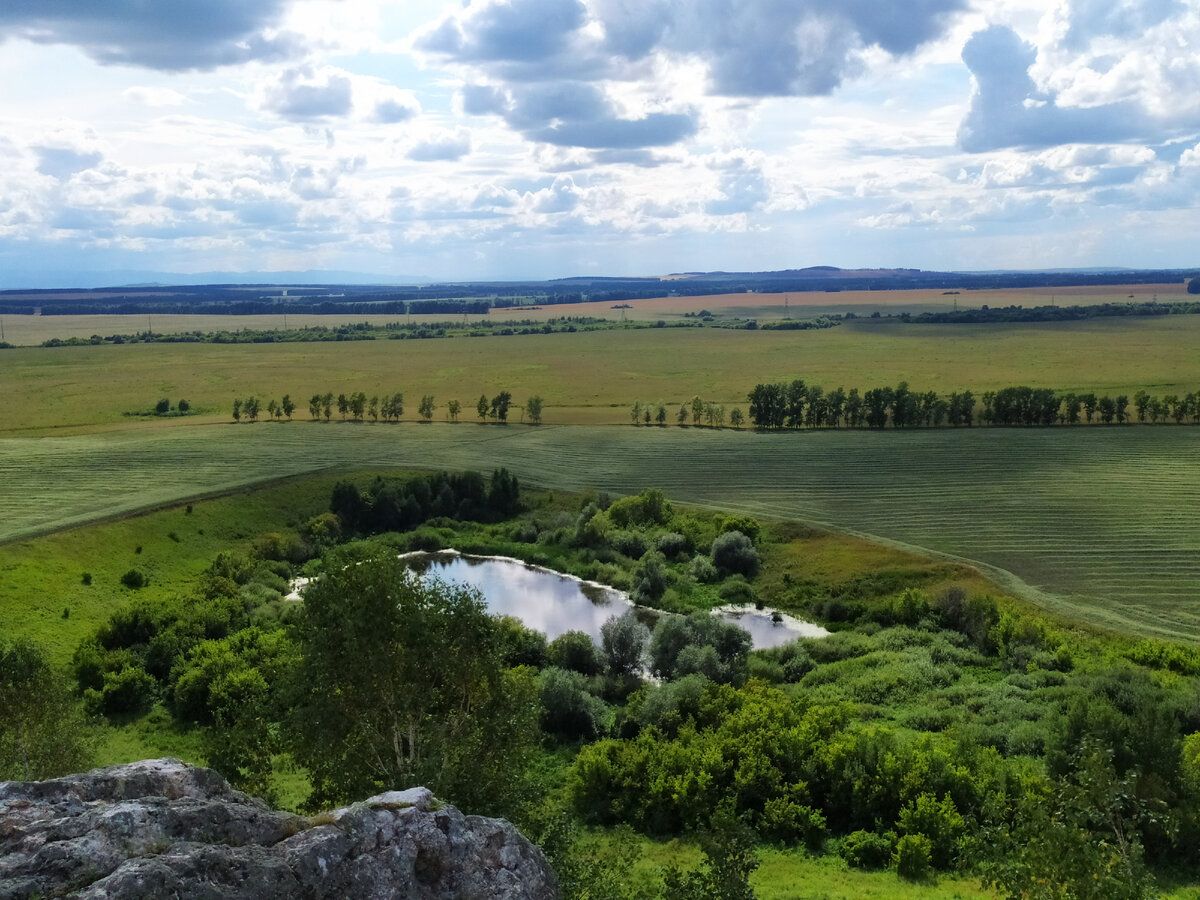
697	412
358	407
795	404
989	314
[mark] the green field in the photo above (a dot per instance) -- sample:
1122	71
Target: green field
1102	524
592	378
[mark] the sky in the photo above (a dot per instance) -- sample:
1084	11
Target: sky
506	139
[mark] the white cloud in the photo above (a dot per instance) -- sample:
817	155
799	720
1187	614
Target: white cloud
545	136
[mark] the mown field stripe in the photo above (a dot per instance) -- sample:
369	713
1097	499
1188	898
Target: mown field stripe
1104	523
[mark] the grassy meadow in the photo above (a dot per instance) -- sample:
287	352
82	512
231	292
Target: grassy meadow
1102	524
592	378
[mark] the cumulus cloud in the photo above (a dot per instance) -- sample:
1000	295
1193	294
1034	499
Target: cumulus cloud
1090	19
67	150
303	94
521	31
442	147
549	67
399	107
576	114
1008	109
751	48
63	162
180	35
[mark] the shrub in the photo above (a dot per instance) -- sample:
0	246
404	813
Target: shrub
87	578
911	857
568	709
673	545
737	591
744	524
279	546
668	706
765	669
162	407
128	690
697	660
628	543
134	579
322	532
788	822
909	607
650	580
702	569
647	508
624	641
577	652
699	643
525	533
426	540
184	406
867	850
939	822
734	553
521	646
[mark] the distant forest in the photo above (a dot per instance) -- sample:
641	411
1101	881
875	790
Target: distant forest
479	297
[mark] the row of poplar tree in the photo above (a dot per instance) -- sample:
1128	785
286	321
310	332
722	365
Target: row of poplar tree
358	407
799	405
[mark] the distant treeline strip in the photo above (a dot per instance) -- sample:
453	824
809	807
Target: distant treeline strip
799	405
989	314
231	299
366	331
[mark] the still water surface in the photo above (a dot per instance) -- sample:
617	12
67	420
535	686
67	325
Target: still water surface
553	603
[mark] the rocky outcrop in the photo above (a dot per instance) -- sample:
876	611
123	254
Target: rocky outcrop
160	828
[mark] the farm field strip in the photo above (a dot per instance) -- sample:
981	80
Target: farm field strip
592	378
1102	524
27	330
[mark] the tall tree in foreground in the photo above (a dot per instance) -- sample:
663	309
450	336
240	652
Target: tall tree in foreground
314	407
401	682
481	408
453	408
43	733
287	406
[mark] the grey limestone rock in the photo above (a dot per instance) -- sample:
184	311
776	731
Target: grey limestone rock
161	828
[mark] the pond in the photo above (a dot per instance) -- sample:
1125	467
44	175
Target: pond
554	603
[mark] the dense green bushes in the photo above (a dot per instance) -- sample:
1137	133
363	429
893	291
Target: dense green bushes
399	505
935	730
